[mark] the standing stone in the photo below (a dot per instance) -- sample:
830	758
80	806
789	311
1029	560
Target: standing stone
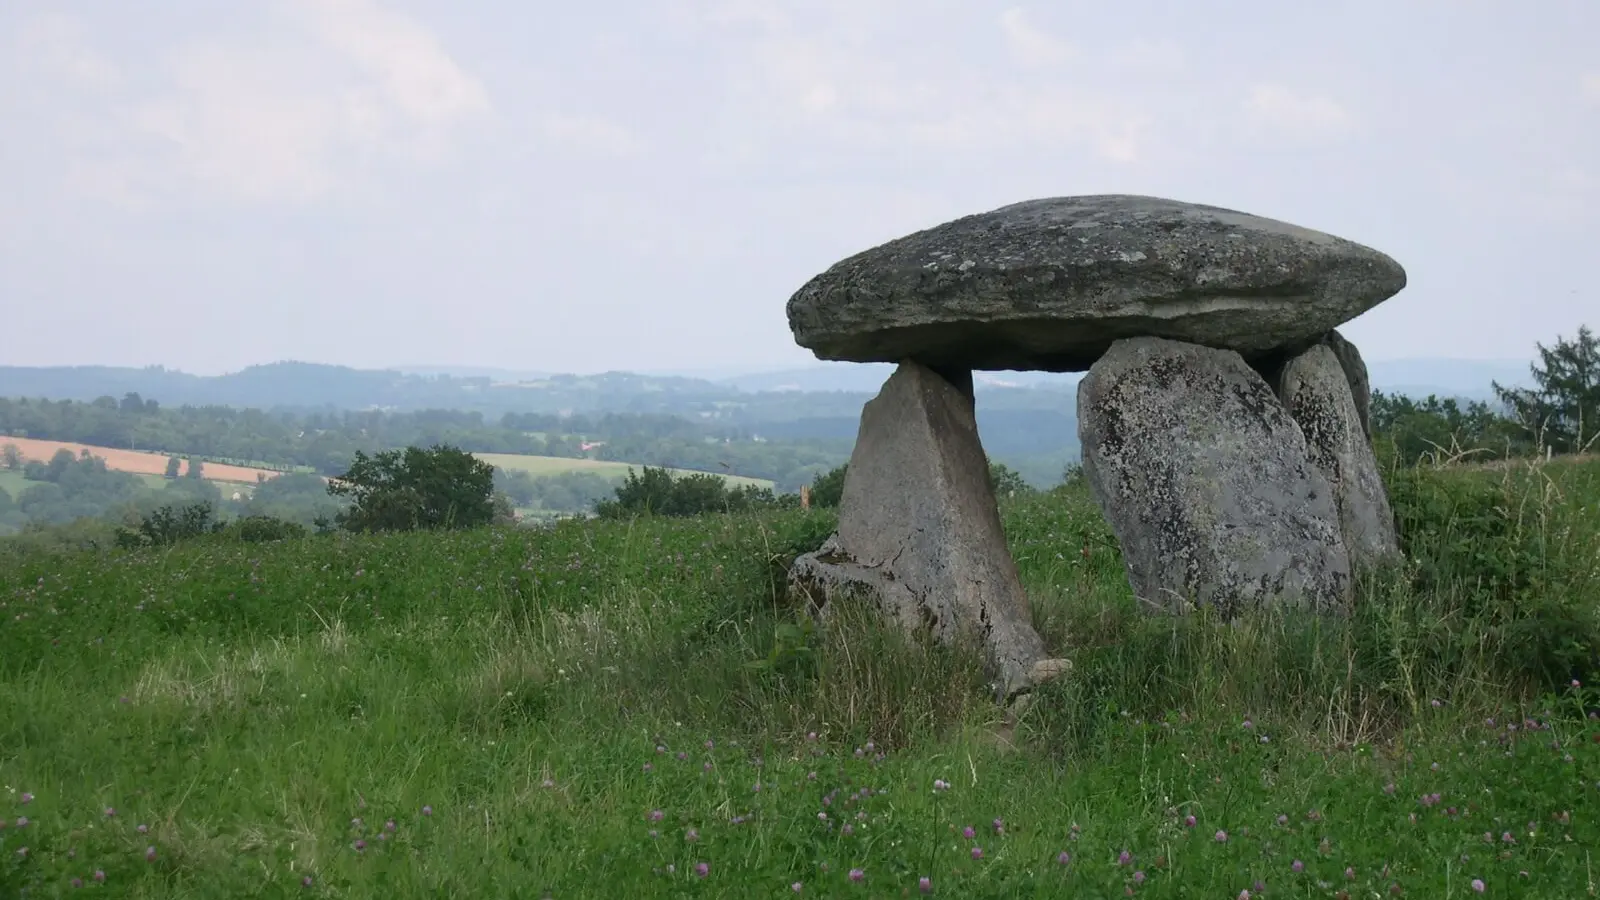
1355	372
1315	388
920	532
1206	481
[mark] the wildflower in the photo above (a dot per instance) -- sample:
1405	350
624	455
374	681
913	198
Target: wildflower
999	826
1188	822
306	881
143	828
939	784
1138	877
691	835
360	845
99	875
1063	857
1477	883
977	853
925	885
110	812
1349	873
26	797
427	810
702	869
657	815
1283	820
796	887
968	833
857	874
1124	858
1222	837
150	854
1297	866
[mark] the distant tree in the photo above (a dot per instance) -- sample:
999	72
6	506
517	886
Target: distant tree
174	466
828	488
1564	410
1006	482
11	456
59	463
132	403
196	468
440	487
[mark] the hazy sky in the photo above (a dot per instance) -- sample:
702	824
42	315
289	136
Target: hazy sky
642	185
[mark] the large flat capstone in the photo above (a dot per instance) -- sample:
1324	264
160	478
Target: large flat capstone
1051	284
1207	482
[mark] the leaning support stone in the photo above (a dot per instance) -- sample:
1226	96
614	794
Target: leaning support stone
919	531
1316	388
1355	373
1207	483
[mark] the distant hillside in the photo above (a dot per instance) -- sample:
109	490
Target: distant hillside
1028	419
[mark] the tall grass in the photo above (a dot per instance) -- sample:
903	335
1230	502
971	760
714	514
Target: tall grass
595	709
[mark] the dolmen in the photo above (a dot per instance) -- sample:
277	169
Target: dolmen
1223	419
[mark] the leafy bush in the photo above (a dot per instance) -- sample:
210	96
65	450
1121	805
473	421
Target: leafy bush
169	525
658	492
416	489
260	529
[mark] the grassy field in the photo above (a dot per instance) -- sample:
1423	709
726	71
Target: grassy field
12	482
15	484
556	465
614	709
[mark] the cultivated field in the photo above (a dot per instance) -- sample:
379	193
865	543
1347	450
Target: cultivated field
556	465
137	462
629	709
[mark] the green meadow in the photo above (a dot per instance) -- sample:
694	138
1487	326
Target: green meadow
557	465
632	709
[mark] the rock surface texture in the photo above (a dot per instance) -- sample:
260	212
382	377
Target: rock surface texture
919	531
1355	373
1207	482
1051	284
1316	389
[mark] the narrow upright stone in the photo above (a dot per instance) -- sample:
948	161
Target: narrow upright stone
920	531
1315	388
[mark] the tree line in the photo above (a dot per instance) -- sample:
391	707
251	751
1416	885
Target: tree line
326	442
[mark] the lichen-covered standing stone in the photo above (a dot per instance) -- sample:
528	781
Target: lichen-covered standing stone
1206	481
1316	390
919	532
1050	285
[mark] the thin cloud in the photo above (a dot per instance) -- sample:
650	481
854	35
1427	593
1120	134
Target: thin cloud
1295	114
1031	45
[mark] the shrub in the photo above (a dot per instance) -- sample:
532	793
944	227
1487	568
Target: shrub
260	529
1500	555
